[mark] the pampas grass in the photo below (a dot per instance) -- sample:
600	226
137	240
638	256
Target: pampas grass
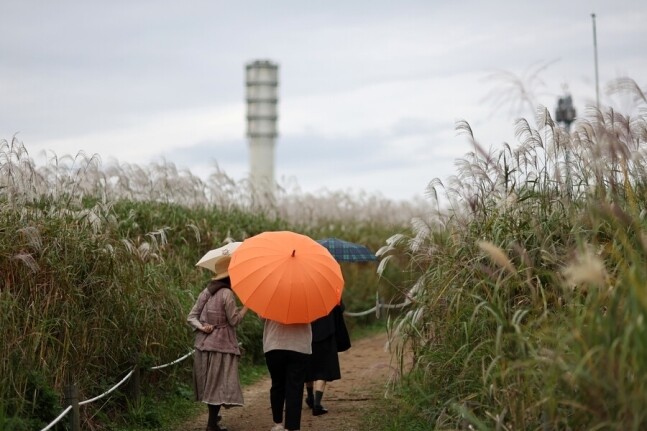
556	341
82	176
98	273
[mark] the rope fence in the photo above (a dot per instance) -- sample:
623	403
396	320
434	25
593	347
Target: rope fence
71	391
159	367
55	421
376	309
98	397
72	397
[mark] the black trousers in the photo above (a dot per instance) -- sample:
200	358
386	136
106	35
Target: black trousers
287	372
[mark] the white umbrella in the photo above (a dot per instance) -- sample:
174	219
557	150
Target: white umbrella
210	259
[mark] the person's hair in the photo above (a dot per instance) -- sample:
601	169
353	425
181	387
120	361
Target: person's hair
216	285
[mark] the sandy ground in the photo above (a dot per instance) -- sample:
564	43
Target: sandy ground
366	371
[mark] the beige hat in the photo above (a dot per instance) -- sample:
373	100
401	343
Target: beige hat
221	268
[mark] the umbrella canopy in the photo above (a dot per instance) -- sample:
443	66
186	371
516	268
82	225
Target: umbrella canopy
212	257
286	277
345	251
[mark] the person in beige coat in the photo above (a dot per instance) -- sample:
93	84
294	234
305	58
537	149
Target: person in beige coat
214	317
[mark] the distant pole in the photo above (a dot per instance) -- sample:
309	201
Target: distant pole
595	55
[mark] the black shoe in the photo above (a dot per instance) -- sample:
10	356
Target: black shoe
310	402
319	410
217	428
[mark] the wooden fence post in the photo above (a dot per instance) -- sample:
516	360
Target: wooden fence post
72	399
134	385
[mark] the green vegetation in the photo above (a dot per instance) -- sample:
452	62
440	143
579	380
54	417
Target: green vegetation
529	295
98	276
526	281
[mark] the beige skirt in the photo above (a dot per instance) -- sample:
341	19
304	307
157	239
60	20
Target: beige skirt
215	378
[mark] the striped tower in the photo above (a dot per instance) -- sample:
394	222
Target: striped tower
262	98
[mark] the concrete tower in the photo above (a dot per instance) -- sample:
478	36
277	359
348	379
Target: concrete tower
262	80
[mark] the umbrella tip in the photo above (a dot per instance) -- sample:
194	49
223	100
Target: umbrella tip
293	251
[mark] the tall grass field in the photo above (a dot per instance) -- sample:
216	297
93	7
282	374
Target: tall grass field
98	275
524	275
529	298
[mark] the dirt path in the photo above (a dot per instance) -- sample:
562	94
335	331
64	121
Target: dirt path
365	368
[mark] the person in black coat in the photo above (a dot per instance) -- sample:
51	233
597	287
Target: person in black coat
329	336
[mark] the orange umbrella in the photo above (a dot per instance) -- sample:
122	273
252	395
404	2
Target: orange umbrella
286	276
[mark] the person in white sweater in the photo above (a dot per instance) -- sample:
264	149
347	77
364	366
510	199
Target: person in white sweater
287	348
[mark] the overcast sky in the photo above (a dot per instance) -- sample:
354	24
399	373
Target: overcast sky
370	91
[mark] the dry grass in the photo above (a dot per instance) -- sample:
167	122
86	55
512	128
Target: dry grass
528	301
76	177
97	269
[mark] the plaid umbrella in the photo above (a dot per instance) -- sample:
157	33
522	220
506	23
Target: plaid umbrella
344	251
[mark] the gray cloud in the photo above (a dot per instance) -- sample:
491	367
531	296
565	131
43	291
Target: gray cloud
73	70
